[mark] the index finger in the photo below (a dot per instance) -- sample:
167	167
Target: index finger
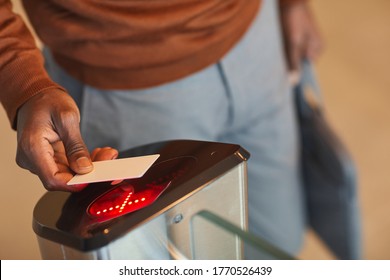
48	170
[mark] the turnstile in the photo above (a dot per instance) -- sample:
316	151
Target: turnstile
156	216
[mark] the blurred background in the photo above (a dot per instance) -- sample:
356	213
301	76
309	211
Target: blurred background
354	75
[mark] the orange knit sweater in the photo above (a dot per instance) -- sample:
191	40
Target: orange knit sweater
116	44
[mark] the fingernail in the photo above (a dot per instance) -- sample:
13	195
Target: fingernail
116	182
114	156
84	163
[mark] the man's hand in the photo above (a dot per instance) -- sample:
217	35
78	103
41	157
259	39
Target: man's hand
50	143
301	36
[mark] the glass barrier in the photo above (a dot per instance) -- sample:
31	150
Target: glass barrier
213	237
253	246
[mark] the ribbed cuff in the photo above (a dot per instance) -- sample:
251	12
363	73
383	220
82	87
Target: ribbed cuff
22	79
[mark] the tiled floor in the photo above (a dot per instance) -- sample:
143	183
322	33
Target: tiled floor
354	74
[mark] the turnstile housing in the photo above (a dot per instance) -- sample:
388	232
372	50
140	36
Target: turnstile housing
197	176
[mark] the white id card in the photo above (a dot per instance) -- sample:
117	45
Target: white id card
117	169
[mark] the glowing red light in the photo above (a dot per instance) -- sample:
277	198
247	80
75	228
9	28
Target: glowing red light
124	199
134	194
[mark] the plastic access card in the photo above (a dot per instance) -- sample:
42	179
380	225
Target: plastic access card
117	169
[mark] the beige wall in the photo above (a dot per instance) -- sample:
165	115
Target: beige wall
20	191
354	76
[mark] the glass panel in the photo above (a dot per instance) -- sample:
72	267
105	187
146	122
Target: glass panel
217	238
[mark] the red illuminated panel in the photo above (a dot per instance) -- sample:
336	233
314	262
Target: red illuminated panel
124	199
134	194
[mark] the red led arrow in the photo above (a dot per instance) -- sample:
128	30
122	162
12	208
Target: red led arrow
134	194
124	199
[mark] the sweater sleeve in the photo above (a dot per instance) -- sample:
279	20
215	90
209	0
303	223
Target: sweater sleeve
22	73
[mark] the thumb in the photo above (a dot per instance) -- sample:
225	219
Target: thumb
77	154
294	55
76	151
294	60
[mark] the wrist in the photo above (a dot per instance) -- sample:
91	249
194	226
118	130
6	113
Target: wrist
37	98
289	3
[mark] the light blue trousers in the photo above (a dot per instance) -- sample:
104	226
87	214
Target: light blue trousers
243	99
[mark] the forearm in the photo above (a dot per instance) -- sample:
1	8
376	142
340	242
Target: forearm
22	74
